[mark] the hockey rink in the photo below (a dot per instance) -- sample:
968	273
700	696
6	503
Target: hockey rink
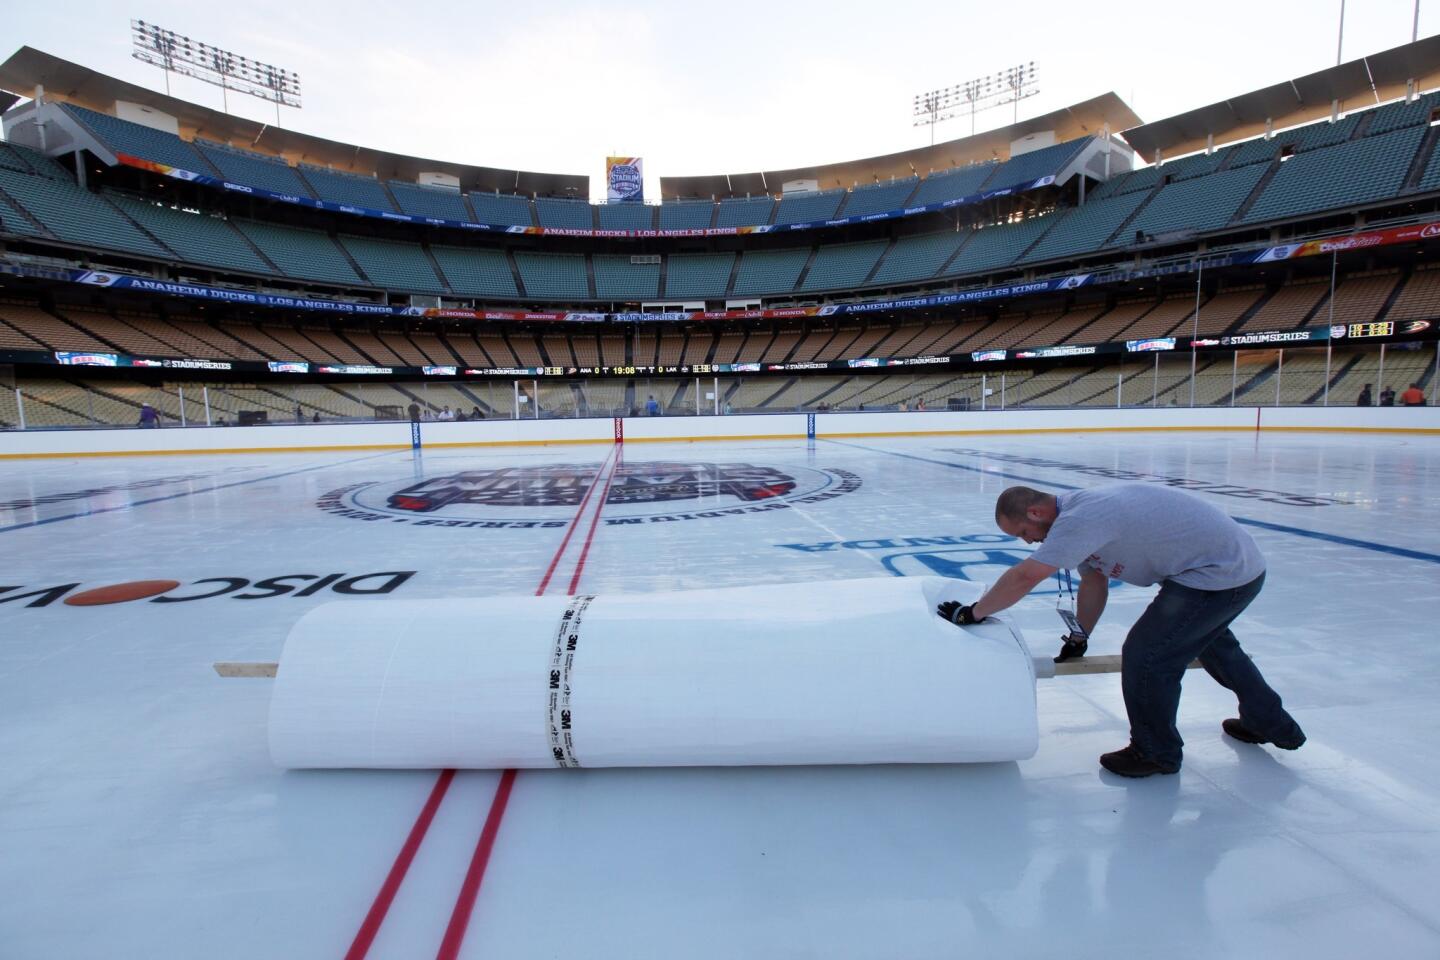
140	814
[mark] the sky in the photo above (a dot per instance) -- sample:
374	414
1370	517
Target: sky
709	88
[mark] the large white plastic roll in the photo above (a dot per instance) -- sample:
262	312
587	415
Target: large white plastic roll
851	671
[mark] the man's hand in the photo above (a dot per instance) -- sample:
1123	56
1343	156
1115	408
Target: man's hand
953	611
1072	647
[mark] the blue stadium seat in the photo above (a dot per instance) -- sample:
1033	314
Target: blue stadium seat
1083	229
626	215
347	188
698	274
879	198
1360	171
564	214
1327	134
553	276
141	141
1144	178
918	257
748	212
305	254
439	202
1201	204
253	169
996	246
476	271
502	209
196	237
75	215
394	265
841	265
770	271
1396	116
686	214
804	207
1046	161
952	184
616	278
1195	165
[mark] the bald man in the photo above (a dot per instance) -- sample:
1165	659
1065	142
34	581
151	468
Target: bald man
1209	570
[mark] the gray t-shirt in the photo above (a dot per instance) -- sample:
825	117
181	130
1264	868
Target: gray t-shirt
1141	533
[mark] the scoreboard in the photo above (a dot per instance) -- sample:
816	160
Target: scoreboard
1358	331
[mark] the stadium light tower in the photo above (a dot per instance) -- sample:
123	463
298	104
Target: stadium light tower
169	51
1005	86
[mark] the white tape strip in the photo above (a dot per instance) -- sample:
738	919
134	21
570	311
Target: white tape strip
562	662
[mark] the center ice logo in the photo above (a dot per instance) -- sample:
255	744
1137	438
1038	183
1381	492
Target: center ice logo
566	485
546	495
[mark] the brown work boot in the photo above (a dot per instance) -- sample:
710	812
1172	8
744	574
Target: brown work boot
1244	734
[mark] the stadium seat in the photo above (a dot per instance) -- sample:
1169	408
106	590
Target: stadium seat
770	271
196	237
626	216
1355	172
502	209
745	213
300	253
878	198
564	214
698	274
553	276
254	169
422	201
138	140
616	278
686	215
349	188
476	271
805	207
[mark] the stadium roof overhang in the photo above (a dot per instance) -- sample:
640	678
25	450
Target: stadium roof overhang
1091	117
29	71
1348	86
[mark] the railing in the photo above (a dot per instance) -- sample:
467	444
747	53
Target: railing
1311	376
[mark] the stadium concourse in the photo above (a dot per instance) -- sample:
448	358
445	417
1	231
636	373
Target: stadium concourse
791	376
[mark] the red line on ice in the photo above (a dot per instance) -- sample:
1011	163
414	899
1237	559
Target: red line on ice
371	925
575	523
470	889
594	523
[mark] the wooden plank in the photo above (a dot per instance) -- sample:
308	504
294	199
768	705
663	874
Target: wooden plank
227	669
1105	663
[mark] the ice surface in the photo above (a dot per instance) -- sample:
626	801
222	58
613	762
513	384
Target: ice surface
140	814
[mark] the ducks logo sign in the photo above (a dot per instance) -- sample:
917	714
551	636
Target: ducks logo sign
546	495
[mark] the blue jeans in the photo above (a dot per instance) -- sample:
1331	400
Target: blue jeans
1182	624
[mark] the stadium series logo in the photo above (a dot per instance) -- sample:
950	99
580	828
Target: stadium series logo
547	495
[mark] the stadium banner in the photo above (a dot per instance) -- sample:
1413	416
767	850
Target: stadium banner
116	280
624	179
1374	331
219	183
1262	338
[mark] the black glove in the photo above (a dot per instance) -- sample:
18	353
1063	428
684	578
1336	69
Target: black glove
1072	648
963	615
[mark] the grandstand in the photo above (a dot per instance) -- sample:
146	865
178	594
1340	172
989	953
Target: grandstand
999	211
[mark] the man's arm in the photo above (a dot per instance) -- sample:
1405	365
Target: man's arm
1094	591
1013	585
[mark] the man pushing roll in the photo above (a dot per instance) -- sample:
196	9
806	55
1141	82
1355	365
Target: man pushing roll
1209	570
